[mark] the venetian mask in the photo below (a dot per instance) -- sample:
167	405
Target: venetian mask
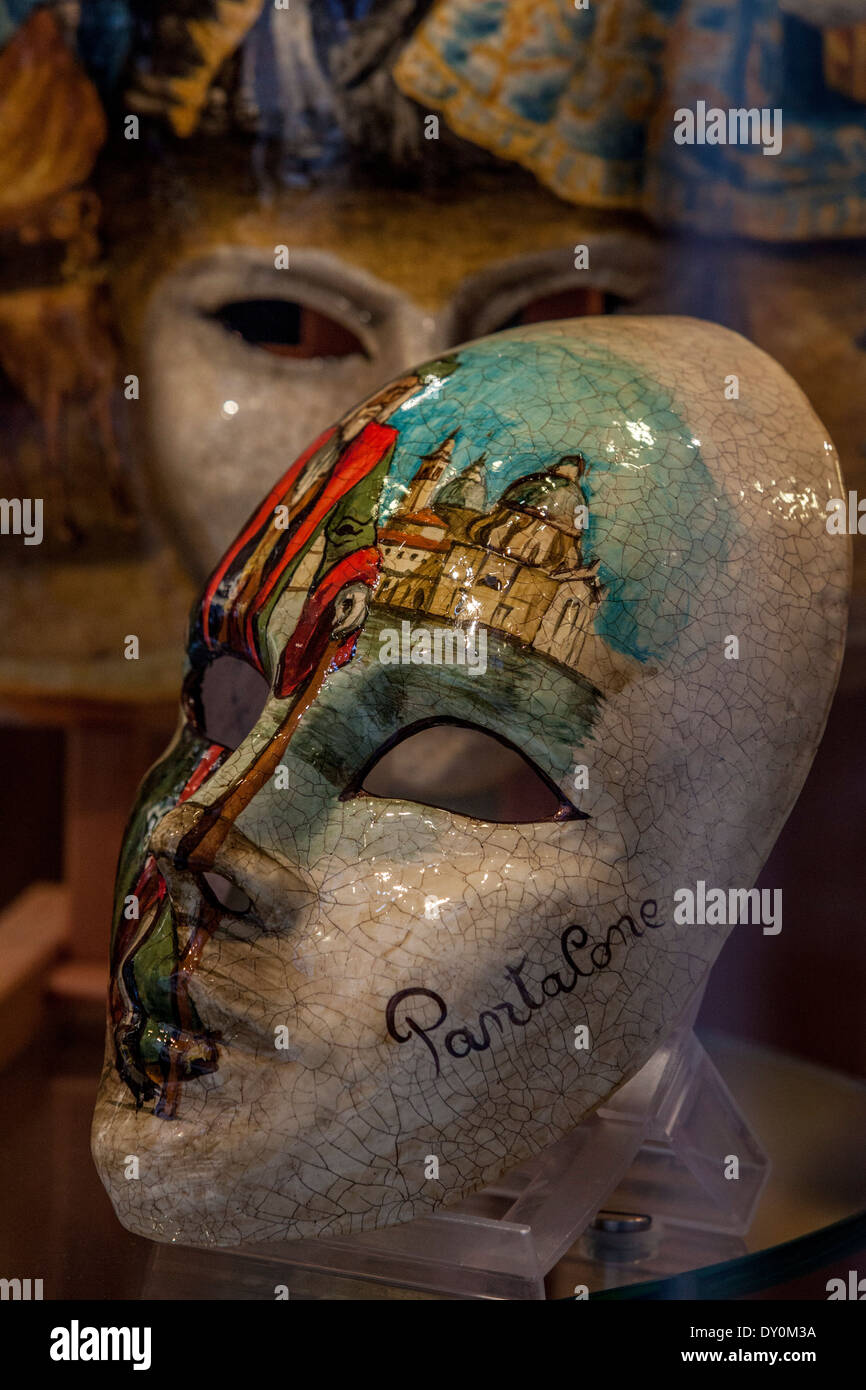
538	636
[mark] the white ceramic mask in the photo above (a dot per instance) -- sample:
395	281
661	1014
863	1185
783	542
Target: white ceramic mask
543	633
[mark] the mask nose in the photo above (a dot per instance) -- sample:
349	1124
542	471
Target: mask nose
229	869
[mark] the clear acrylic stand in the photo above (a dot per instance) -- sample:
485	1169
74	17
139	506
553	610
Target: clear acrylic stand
670	1145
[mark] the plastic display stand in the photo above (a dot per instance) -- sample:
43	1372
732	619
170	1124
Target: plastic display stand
670	1145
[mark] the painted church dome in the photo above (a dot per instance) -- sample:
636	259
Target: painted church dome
467	490
553	494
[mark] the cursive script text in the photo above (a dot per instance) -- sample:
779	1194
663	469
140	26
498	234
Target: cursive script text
573	943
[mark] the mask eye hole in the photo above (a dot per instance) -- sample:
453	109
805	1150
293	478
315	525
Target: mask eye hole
461	768
287	328
566	304
225	700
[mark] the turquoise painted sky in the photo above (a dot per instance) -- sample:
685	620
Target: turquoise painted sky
657	525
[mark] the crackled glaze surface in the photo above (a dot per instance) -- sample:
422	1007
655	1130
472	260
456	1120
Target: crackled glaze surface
381	978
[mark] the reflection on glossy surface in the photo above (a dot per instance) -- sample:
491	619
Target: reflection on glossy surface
581	502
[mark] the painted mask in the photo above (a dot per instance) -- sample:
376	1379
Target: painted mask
535	640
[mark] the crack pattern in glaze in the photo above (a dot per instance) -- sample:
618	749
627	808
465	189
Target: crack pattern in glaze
317	983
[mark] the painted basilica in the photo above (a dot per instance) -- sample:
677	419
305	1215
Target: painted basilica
517	568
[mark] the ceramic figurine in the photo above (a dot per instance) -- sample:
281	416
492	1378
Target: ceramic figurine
530	648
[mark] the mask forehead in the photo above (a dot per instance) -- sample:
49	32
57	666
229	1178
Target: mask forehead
501	487
585	468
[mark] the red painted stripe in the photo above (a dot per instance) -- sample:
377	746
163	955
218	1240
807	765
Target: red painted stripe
150	886
361	564
409	542
310	637
359	459
255	524
202	770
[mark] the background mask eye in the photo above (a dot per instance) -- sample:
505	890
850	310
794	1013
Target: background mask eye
228	700
288	329
566	304
463	769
